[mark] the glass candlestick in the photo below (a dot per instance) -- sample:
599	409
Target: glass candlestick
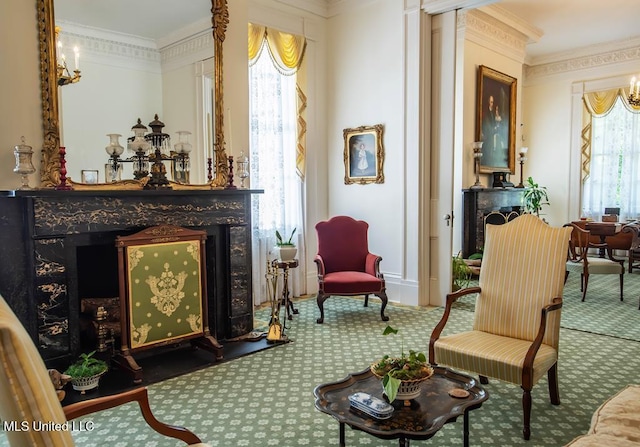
477	155
24	164
522	158
243	168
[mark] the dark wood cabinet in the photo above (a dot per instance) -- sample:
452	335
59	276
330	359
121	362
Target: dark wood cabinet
482	206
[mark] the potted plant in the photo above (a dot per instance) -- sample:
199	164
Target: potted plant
402	376
285	249
86	372
460	273
534	197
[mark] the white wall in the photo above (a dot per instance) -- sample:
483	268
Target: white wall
365	87
19	87
552	113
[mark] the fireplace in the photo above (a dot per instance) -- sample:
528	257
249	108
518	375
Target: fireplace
487	206
59	247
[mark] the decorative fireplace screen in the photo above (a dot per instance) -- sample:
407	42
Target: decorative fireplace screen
162	291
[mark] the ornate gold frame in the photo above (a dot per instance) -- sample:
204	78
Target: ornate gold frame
350	173
50	160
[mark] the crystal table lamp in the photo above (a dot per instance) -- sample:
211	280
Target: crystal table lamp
24	165
114	149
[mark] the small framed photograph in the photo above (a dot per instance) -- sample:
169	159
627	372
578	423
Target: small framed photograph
363	155
89	176
496	120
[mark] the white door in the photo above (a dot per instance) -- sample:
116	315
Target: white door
443	180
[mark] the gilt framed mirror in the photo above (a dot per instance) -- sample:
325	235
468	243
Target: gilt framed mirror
52	117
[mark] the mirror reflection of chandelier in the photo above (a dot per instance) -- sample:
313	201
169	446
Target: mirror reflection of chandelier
62	68
634	92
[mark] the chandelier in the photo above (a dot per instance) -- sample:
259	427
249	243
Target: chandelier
634	92
62	69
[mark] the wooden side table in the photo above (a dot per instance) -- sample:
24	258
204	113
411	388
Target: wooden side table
285	266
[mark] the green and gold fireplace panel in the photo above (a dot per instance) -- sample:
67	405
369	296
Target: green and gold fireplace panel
165	292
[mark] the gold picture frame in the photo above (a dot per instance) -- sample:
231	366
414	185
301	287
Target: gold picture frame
496	120
363	155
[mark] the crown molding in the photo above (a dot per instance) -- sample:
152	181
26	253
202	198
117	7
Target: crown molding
440	6
483	29
128	51
619	53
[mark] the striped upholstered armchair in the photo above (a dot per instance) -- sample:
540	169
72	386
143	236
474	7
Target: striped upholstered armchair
516	324
29	398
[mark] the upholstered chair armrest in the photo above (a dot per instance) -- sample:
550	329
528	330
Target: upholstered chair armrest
320	264
451	298
372	265
139	395
556	304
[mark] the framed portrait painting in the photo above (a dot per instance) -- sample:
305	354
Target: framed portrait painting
496	120
363	155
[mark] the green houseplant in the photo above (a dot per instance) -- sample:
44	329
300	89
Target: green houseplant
285	248
86	372
534	197
460	273
402	376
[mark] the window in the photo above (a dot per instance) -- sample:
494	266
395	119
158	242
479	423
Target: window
272	158
614	170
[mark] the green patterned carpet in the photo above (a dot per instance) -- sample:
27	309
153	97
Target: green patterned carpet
266	399
602	312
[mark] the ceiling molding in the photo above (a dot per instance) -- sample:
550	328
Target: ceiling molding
318	7
487	31
628	52
441	6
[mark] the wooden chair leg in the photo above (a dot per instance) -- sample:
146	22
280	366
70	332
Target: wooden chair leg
622	285
321	298
484	380
383	297
526	409
586	284
554	392
366	300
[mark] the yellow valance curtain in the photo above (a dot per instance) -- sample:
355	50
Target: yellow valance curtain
598	104
287	52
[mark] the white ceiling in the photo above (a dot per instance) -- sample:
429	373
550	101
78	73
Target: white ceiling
569	25
566	25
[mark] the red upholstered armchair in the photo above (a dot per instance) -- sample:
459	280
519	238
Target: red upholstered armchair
345	266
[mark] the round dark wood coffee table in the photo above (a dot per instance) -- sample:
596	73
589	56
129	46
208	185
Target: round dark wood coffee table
420	419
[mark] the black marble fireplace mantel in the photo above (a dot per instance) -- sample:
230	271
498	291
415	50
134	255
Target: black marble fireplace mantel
58	246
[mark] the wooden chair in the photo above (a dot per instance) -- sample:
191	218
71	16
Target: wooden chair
516	324
579	260
345	266
28	395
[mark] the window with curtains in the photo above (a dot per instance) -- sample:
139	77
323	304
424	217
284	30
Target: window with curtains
611	156
274	154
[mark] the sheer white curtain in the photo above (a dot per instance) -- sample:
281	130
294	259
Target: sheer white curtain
614	178
273	131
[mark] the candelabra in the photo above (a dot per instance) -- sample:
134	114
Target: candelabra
522	158
62	70
477	155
